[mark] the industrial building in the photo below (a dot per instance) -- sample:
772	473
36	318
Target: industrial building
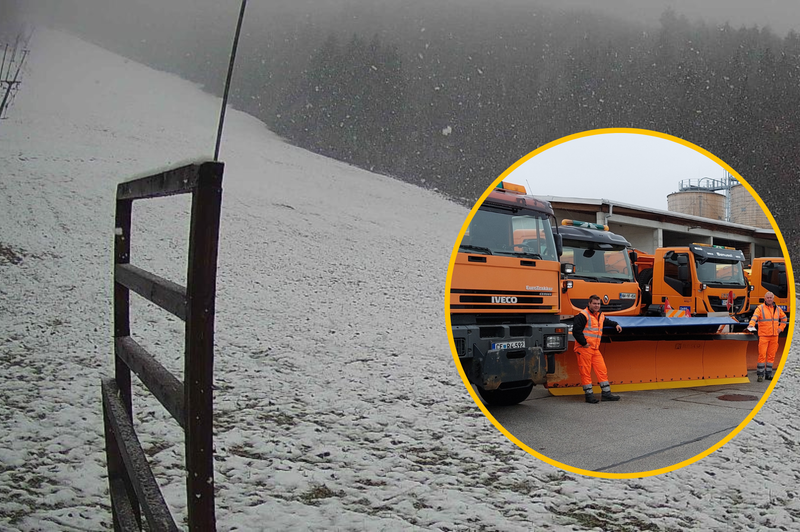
697	214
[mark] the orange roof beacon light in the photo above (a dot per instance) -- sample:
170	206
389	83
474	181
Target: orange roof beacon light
511	187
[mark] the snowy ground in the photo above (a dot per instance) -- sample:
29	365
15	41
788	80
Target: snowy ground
338	404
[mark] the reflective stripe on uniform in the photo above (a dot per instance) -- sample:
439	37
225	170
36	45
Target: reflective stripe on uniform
769	328
593	330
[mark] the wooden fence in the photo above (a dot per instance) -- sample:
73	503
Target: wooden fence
132	486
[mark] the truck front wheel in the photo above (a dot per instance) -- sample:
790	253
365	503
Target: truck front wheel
509	397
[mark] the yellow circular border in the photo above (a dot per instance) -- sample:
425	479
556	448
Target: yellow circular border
474	394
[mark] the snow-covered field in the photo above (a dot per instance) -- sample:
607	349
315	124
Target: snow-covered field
338	404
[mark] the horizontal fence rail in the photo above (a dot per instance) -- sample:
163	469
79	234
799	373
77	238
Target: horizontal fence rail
166	294
132	486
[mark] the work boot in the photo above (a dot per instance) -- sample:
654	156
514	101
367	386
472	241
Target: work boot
760	378
768	376
608	396
590	398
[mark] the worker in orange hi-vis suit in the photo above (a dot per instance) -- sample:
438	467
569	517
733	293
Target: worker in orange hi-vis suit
771	321
587	329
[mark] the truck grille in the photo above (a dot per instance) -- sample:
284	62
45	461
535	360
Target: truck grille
614	305
720	304
504	300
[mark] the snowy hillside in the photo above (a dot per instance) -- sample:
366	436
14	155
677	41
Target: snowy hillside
338	405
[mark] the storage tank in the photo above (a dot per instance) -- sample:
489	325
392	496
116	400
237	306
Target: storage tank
745	209
698	203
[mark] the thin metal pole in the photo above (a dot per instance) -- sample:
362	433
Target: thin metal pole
228	81
3	64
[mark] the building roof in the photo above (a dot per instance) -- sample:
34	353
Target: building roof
593	205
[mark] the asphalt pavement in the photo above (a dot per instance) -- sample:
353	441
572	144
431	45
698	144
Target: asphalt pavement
642	432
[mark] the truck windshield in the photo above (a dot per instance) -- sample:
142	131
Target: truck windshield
521	232
594	264
718	272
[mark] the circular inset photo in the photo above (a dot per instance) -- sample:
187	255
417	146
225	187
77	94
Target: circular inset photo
619	303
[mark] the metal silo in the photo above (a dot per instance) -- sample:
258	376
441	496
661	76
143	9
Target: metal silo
698	203
745	209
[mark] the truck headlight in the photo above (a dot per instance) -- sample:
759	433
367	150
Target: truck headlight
554	342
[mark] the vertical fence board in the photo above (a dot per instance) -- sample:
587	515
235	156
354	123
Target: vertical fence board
201	289
122	374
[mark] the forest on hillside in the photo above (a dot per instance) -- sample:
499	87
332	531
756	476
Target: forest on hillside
449	96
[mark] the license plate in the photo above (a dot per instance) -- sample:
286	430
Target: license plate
509	345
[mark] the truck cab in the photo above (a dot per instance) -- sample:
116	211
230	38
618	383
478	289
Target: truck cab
768	274
602	266
504	296
700	279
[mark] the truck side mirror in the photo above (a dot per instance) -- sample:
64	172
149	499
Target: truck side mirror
683	260
559	244
633	256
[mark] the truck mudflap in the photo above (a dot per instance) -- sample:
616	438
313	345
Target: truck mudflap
499	366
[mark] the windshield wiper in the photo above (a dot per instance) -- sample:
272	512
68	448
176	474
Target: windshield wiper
521	254
724	283
475	248
593	278
600	279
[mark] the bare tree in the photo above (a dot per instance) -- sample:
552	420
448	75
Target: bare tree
13	59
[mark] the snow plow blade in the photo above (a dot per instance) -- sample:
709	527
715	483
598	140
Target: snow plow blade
655	353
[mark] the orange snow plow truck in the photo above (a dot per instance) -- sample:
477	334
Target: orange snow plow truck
694	346
504	296
699	280
767	274
603	266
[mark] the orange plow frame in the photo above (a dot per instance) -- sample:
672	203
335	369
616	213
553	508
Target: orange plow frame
641	364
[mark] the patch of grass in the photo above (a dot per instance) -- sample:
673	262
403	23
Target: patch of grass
596	516
370	482
10	255
156	448
246	452
558	476
317	493
279	418
419	505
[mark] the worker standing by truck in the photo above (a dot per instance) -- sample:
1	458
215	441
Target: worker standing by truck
587	329
771	322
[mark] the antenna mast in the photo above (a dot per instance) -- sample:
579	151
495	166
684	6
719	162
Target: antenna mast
228	80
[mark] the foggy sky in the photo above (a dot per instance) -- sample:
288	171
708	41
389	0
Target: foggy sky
779	15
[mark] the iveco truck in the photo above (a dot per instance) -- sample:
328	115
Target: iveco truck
504	296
